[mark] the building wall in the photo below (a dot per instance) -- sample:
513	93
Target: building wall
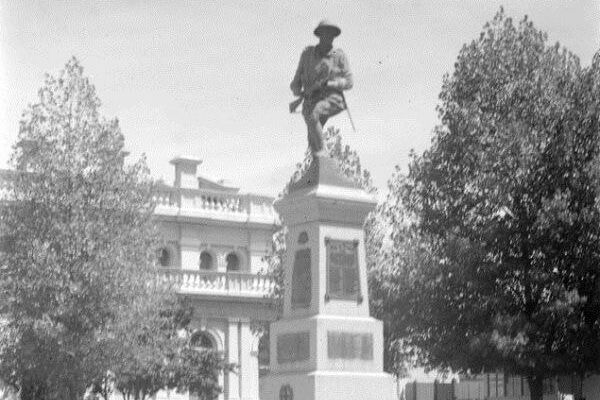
228	320
236	340
188	240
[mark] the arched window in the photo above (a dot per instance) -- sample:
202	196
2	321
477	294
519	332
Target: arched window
164	257
206	260
233	262
203	340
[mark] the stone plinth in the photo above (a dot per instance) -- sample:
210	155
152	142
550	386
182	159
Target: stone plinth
326	346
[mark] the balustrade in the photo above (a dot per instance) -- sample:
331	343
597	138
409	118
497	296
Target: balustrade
224	283
166	197
215	203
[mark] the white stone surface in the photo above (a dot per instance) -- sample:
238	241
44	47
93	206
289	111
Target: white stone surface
196	215
332	385
326	212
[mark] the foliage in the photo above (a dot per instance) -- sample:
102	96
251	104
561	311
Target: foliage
81	303
81	238
197	371
394	253
148	349
497	226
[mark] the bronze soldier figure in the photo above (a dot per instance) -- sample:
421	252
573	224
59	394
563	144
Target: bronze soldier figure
322	76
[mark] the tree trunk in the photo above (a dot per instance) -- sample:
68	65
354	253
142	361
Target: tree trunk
536	387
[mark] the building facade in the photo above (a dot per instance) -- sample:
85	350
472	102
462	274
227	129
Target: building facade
215	239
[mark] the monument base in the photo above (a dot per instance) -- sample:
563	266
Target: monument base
330	385
326	346
328	357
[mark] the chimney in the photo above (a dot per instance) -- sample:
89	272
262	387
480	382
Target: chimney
185	172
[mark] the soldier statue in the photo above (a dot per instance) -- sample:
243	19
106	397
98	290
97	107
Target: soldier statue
322	76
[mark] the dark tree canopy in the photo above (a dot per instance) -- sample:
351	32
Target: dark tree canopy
496	235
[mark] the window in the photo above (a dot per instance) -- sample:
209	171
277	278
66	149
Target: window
164	257
206	260
233	262
203	340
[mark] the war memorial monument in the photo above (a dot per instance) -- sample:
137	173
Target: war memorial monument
326	345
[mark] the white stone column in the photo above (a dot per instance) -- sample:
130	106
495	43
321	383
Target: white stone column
248	363
255	260
190	256
220	256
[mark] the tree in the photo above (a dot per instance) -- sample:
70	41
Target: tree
497	226
148	348
394	252
81	238
81	302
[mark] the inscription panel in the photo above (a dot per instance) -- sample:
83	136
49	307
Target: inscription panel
301	279
293	347
349	346
342	269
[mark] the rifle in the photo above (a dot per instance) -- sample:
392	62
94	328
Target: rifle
306	94
294	105
348	111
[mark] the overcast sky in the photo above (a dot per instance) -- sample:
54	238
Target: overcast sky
210	79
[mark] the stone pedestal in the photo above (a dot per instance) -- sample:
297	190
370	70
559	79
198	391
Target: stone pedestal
326	346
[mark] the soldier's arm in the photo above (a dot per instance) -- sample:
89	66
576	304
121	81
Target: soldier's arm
296	84
343	80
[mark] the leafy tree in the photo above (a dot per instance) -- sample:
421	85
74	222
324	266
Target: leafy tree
396	250
81	238
139	345
148	349
497	226
81	302
197	371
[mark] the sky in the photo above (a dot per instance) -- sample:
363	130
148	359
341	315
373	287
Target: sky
210	79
